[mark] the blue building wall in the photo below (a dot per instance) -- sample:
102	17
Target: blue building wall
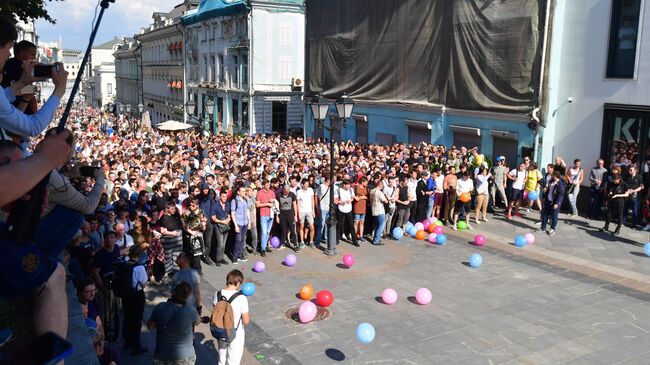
390	120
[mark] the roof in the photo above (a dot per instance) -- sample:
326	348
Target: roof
213	8
110	44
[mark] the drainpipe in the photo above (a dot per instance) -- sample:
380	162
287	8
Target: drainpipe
535	114
251	116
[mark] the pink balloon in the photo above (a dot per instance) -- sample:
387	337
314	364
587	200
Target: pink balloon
348	260
479	240
423	296
426	223
389	296
419	226
307	311
439	230
530	238
432	237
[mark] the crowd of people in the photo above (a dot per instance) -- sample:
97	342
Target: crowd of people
128	207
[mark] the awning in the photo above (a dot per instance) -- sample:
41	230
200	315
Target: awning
465	130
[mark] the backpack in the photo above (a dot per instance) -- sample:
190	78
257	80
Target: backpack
123	278
222	321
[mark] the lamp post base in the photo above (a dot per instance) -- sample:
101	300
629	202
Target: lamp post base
331	238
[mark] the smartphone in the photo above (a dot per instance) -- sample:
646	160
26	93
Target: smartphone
44	71
51	350
29	89
87	171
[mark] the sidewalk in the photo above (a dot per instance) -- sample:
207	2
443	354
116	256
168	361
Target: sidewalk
576	236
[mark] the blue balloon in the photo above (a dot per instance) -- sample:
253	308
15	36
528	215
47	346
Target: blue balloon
520	241
412	231
365	333
475	260
441	239
398	233
248	289
646	248
533	195
407	226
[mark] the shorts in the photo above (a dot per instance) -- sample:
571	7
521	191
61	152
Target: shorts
438	198
309	217
517	194
359	217
460	205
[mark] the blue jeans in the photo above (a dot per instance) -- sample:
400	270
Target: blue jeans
240	238
379	228
321	227
632	202
266	224
549	212
595	203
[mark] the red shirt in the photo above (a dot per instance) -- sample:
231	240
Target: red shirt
264	197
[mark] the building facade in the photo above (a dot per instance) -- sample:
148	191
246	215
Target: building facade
27	32
441	72
598	82
128	78
99	85
246	57
162	65
71	59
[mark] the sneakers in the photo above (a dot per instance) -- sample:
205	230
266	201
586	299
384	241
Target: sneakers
646	228
518	214
223	262
485	220
235	261
454	228
269	249
527	210
509	216
538	223
551	232
243	258
281	247
540	230
477	222
470	227
263	253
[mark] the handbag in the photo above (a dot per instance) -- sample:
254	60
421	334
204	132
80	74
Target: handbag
223	228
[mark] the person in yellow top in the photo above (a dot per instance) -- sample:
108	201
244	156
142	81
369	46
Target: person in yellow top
532	183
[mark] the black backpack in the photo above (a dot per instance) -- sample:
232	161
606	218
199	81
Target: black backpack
123	278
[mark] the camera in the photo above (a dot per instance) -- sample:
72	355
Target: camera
88	171
44	71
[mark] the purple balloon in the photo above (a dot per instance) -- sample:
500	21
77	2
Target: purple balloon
290	259
259	266
275	242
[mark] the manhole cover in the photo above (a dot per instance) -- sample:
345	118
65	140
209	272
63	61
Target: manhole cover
292	313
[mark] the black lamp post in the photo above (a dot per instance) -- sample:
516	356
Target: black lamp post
210	108
140	112
190	107
319	108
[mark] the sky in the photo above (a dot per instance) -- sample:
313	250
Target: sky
74	20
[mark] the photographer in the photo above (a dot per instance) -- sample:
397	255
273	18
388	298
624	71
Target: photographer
24	51
11	119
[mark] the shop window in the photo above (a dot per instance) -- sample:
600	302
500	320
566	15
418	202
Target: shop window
623	137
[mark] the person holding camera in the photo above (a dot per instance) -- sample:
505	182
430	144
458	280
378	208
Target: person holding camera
11	119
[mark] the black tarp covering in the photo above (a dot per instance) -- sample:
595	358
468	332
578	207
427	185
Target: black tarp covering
465	54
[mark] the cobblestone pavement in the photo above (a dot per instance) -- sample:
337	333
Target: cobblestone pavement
575	298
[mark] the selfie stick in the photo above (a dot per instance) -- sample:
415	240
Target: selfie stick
77	81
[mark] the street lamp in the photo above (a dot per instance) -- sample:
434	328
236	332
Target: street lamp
210	106
140	108
121	109
190	107
319	107
128	108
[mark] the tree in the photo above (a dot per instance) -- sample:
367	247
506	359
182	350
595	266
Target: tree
26	10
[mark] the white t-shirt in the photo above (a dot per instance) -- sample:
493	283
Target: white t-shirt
439	183
464	186
345	195
305	199
239	306
120	241
520	179
482	184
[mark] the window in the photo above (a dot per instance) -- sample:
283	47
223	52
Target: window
623	34
623	139
222	76
279	117
109	86
213	68
244	69
285	37
285	68
235	76
205	69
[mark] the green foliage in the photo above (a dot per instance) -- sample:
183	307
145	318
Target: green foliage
26	10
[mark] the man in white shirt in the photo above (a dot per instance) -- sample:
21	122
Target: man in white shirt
392	193
343	198
124	240
463	185
305	197
323	196
231	353
518	178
